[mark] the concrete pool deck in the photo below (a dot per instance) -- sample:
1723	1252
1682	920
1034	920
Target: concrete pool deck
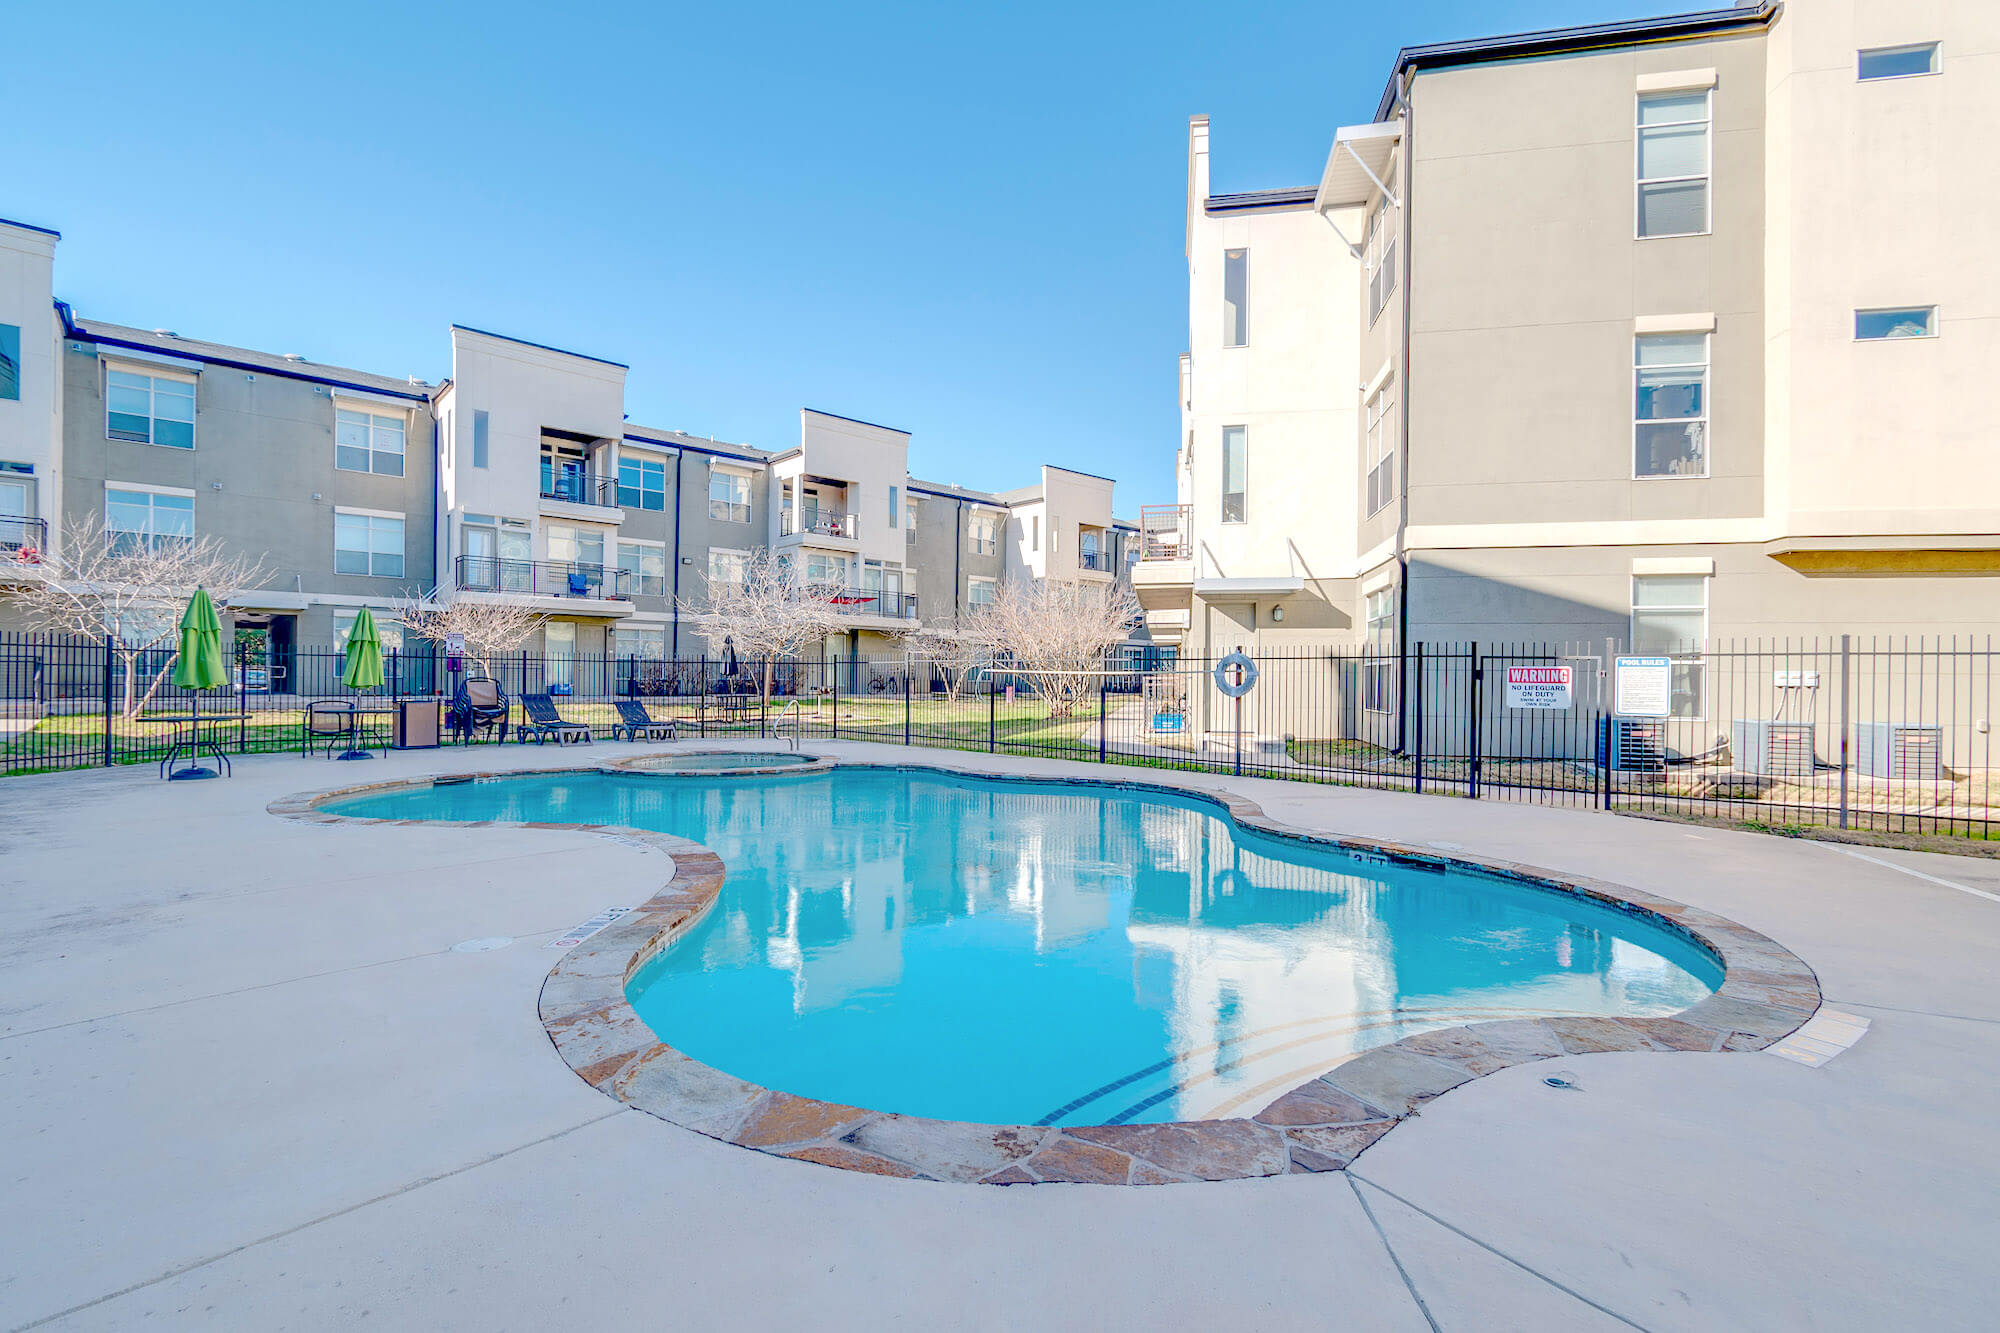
244	1081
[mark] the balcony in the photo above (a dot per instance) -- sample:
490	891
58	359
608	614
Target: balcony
1166	532
817	521
890	605
1096	561
20	535
579	488
544	578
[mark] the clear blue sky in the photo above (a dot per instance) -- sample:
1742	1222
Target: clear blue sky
964	221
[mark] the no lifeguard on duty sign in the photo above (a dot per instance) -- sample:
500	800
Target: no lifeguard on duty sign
1538	686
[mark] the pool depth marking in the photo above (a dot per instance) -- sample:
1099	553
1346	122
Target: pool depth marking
1767	992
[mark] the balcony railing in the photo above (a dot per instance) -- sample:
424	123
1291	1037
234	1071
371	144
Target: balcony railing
544	578
1166	532
582	488
23	534
1100	561
862	602
818	522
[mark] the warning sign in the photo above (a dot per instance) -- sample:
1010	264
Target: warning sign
1538	686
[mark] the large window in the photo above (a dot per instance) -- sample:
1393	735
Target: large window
1670	619
824	567
1378	663
10	361
1673	164
640	641
729	496
390	632
1918	321
1378	257
136	521
984	532
1235	474
368	544
149	409
1670	405
642	483
732	568
646	564
982	592
1896	62
1235	298
367	442
1380	416
569	544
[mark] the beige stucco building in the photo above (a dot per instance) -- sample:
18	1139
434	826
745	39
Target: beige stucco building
1651	332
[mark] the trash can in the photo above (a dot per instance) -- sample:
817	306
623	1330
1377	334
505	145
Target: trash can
419	724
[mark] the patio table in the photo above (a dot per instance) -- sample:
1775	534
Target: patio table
189	742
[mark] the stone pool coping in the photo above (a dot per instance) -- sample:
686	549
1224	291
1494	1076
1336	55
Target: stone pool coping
1322	1125
660	765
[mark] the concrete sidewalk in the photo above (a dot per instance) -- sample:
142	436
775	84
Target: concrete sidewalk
245	1081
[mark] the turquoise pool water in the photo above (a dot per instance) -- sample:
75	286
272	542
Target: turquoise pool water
1033	953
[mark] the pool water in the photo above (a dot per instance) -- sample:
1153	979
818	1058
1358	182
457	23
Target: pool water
1023	953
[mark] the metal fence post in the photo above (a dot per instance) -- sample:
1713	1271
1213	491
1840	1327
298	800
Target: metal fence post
834	692
1102	686
243	697
1473	674
992	718
906	707
1845	644
108	673
1417	720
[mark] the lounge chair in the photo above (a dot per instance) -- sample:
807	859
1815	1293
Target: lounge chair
636	724
326	722
479	704
544	723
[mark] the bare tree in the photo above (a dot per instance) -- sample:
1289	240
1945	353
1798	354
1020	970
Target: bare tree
133	587
775	611
1057	636
955	658
489	628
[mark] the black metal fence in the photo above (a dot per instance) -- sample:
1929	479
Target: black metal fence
1858	733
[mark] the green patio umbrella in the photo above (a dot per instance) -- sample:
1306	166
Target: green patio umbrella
364	653
200	666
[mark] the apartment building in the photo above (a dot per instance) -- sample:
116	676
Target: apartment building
515	478
1653	332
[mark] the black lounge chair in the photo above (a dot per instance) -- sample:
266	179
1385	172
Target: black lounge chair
479	704
546	724
636	724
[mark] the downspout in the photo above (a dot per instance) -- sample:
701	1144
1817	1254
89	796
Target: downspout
1403	421
680	517
957	549
439	518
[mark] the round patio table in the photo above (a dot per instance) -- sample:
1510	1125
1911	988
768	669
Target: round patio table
189	743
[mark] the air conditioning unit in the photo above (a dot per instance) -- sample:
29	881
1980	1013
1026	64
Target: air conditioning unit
1772	749
1899	751
1631	746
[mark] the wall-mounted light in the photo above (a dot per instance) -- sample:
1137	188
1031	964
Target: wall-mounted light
215	485
1277	614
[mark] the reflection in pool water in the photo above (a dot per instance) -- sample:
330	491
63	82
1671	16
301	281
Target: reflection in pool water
1019	953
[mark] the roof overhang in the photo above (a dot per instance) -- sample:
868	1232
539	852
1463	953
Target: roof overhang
1225	589
1357	168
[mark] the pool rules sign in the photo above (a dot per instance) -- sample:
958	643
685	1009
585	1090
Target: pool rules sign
1538	686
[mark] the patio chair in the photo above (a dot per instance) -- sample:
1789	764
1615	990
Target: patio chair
544	723
479	704
635	724
328	721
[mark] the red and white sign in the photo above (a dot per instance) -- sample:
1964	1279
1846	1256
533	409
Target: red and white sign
1538	686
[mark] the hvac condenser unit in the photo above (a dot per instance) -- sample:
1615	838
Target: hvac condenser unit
1633	746
1898	750
1772	749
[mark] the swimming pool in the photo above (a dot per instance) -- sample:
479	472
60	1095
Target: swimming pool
1031	953
717	761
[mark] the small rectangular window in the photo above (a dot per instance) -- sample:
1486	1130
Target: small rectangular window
1670	405
367	442
727	569
895	515
10	361
368	544
1378	257
136	521
982	592
1380	415
646	563
985	533
1235	475
728	497
480	433
1673	164
1235	298
1917	321
1379	656
1670	619
642	483
1897	62
148	409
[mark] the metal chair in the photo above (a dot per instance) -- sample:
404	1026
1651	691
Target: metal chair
328	721
479	704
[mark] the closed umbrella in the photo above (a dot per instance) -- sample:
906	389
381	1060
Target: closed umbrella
199	667
364	665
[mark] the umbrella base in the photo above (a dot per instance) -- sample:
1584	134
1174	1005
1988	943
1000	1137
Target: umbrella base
191	774
355	754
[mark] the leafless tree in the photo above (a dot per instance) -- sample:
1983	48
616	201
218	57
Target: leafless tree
489	628
775	611
1055	635
132	586
955	658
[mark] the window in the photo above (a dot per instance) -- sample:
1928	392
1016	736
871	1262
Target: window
825	567
910	517
895	515
368	544
982	592
1378	663
1673	164
1235	298
136	521
1380	415
559	653
1235	474
1670	619
572	545
149	409
1918	321
481	433
728	496
646	563
1670	405
1035	533
390	632
642	483
985	532
1897	62
633	641
367	442
1378	257
733	567
10	361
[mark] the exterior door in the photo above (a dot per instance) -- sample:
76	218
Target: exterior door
16	505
